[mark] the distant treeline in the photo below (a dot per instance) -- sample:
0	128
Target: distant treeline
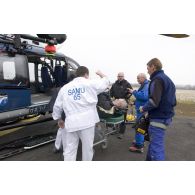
186	87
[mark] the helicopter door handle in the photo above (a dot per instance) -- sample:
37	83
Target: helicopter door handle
19	83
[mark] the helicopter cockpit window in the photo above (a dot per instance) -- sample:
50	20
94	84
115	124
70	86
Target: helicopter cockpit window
14	71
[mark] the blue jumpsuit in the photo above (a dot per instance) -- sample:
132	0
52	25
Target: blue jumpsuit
141	96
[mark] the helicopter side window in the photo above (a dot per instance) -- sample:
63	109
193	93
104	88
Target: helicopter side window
9	71
22	72
14	71
31	67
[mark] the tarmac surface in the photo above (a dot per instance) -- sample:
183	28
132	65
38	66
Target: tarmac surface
179	144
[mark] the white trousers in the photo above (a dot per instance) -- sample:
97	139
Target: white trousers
71	142
58	142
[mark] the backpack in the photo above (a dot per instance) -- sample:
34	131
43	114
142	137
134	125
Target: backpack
142	125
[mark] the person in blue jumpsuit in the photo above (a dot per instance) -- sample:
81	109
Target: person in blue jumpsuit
141	96
160	108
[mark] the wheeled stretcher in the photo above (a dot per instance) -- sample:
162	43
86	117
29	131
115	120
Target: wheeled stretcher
105	127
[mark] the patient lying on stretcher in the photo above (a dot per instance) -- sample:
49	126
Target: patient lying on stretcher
107	107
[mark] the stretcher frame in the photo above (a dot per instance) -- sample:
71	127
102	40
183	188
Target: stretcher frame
108	126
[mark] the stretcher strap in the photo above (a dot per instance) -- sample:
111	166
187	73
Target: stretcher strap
142	131
111	111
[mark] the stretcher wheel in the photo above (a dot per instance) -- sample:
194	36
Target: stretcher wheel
104	145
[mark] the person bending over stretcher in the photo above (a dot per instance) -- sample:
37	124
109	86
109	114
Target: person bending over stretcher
107	107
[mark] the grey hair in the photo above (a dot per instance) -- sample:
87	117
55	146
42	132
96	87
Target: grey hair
143	75
121	103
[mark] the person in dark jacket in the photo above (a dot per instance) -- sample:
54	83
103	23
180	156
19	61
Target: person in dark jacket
119	90
141	96
160	108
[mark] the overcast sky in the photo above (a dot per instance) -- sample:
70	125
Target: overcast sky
130	53
104	35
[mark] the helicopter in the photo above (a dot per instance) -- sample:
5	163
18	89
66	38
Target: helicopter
30	68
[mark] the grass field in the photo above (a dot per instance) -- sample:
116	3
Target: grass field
185	96
185	102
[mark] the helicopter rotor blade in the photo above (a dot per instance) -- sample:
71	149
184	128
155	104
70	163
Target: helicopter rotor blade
60	38
176	35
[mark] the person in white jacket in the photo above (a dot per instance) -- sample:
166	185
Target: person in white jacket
78	100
